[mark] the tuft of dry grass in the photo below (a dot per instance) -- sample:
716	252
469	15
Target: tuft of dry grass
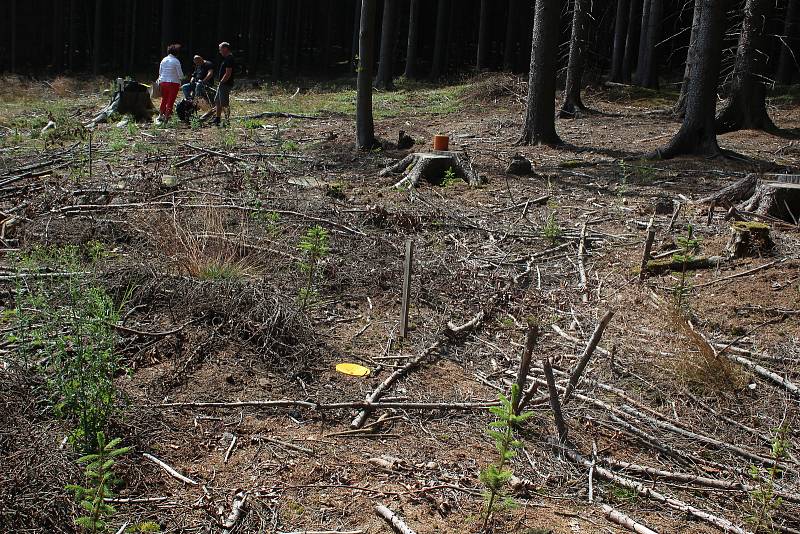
704	368
63	86
202	248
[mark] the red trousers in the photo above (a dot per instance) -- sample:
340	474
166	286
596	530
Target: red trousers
169	92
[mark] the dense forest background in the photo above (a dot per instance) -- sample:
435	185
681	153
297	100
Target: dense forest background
319	38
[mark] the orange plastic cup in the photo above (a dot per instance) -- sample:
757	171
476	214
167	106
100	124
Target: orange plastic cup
441	142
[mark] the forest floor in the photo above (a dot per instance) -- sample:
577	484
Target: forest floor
206	275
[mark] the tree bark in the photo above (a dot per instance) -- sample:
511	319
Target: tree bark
365	125
746	106
413	40
540	127
440	44
386	64
680	105
697	134
14	22
97	41
631	40
512	23
618	53
787	64
577	44
648	76
354	44
483	35
277	50
643	27
167	24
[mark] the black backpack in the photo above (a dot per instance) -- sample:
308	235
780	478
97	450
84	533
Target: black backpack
185	109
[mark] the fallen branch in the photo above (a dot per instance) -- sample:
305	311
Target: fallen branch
587	354
623	520
172	472
393	519
286	403
237	510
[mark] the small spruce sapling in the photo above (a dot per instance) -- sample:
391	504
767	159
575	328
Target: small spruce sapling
496	476
314	246
99	485
763	497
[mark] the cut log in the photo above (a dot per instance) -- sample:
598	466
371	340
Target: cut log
773	195
749	239
677	264
435	167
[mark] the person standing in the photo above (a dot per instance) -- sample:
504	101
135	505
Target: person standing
170	75
226	68
201	78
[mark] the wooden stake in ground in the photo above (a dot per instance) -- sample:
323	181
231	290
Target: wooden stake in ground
587	354
525	363
555	404
648	247
406	289
398	525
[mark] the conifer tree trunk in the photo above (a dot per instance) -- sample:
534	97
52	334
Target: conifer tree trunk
540	127
643	27
254	35
787	64
618	53
746	106
97	42
57	42
440	44
365	125
512	23
73	33
413	40
631	40
277	49
680	105
577	44
483	35
131	60
354	43
14	22
388	37
697	134
648	73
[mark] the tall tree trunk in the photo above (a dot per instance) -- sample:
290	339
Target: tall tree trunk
512	23
618	54
132	44
697	134
277	51
413	40
298	34
325	55
167	24
631	40
787	64
13	36
354	44
577	44
388	38
483	35
73	33
97	42
680	105
57	43
746	107
540	126
440	44
643	27
365	125
254	35
648	76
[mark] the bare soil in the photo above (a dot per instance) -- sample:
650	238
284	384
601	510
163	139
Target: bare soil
477	249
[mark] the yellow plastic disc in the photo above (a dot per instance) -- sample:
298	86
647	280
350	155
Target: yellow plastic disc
352	369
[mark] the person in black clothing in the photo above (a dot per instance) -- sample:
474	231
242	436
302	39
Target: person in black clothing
201	79
226	68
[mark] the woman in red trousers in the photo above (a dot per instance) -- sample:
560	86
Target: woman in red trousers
170	75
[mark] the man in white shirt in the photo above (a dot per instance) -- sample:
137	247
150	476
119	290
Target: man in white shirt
170	75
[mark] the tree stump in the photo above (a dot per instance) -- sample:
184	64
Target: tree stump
749	239
434	167
774	195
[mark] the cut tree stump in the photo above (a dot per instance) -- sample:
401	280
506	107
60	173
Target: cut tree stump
433	167
773	195
749	239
